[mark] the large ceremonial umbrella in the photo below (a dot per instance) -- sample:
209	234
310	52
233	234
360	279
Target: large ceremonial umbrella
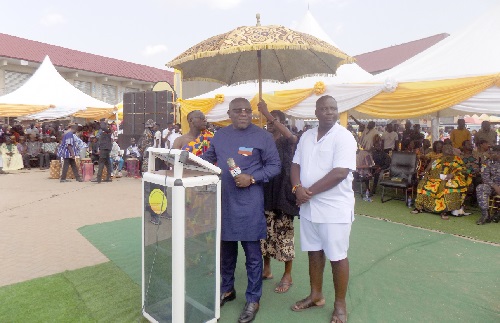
250	53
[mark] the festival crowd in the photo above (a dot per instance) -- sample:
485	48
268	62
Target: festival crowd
282	174
448	172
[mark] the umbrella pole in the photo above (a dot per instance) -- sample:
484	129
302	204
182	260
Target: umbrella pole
259	66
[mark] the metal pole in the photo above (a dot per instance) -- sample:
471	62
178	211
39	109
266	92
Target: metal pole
259	66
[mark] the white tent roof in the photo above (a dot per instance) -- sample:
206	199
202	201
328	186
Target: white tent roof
48	87
347	97
474	51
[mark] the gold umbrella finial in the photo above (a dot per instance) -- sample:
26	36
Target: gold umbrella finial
258	19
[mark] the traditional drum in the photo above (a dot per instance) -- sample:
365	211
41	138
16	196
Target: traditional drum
133	167
55	169
87	169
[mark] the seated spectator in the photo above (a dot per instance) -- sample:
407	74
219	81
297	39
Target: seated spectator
483	151
490	186
11	158
437	150
22	148
473	168
456	151
444	185
49	152
34	148
426	147
132	150
115	156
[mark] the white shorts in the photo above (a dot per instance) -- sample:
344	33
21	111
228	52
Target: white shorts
332	238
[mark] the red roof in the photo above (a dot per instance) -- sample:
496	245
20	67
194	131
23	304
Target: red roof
386	58
33	51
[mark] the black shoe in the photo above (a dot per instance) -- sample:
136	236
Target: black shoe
249	312
107	180
96	181
227	298
79	180
65	181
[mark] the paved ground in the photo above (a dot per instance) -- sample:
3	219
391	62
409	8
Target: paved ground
39	218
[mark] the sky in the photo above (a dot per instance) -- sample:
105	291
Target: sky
153	32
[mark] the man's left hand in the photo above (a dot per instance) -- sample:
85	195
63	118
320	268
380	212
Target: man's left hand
243	180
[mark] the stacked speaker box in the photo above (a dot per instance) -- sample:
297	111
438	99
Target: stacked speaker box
138	107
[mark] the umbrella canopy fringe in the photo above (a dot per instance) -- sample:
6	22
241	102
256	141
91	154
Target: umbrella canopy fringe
246	48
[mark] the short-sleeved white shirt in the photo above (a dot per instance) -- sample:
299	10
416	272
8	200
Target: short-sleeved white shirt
171	138
336	149
389	139
157	139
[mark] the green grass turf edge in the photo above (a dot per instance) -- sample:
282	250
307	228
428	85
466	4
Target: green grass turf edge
101	293
397	211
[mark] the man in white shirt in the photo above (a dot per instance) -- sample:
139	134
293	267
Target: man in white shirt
321	173
170	134
157	137
389	137
165	133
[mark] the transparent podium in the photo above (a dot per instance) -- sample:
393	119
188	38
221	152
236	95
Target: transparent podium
181	238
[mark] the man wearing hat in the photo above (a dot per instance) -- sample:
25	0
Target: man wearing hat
490	186
146	141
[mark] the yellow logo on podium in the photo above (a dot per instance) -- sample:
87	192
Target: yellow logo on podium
157	201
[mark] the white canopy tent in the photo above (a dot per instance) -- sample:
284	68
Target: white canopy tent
475	51
48	87
347	96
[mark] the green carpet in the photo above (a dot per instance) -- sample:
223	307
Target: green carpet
398	273
397	211
120	241
101	293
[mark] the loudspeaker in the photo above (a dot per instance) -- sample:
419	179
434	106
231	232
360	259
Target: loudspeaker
138	107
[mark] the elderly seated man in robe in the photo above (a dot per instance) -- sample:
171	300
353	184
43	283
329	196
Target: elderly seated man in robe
11	158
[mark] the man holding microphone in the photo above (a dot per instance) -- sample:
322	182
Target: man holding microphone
248	157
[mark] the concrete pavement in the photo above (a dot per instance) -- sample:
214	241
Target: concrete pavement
39	218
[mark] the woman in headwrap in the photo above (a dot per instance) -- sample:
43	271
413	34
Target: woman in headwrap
146	141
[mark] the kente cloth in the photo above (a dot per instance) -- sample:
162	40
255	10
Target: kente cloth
437	195
200	145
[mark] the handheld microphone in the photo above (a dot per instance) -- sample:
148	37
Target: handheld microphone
233	168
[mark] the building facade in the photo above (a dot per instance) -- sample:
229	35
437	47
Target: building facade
103	78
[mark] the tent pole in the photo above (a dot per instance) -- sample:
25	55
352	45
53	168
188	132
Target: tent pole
259	63
435	127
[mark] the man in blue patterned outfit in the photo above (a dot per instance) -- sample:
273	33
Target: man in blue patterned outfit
491	186
67	151
254	151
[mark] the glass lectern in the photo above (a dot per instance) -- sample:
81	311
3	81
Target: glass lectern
181	238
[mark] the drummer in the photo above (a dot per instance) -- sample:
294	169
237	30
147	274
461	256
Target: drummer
132	150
